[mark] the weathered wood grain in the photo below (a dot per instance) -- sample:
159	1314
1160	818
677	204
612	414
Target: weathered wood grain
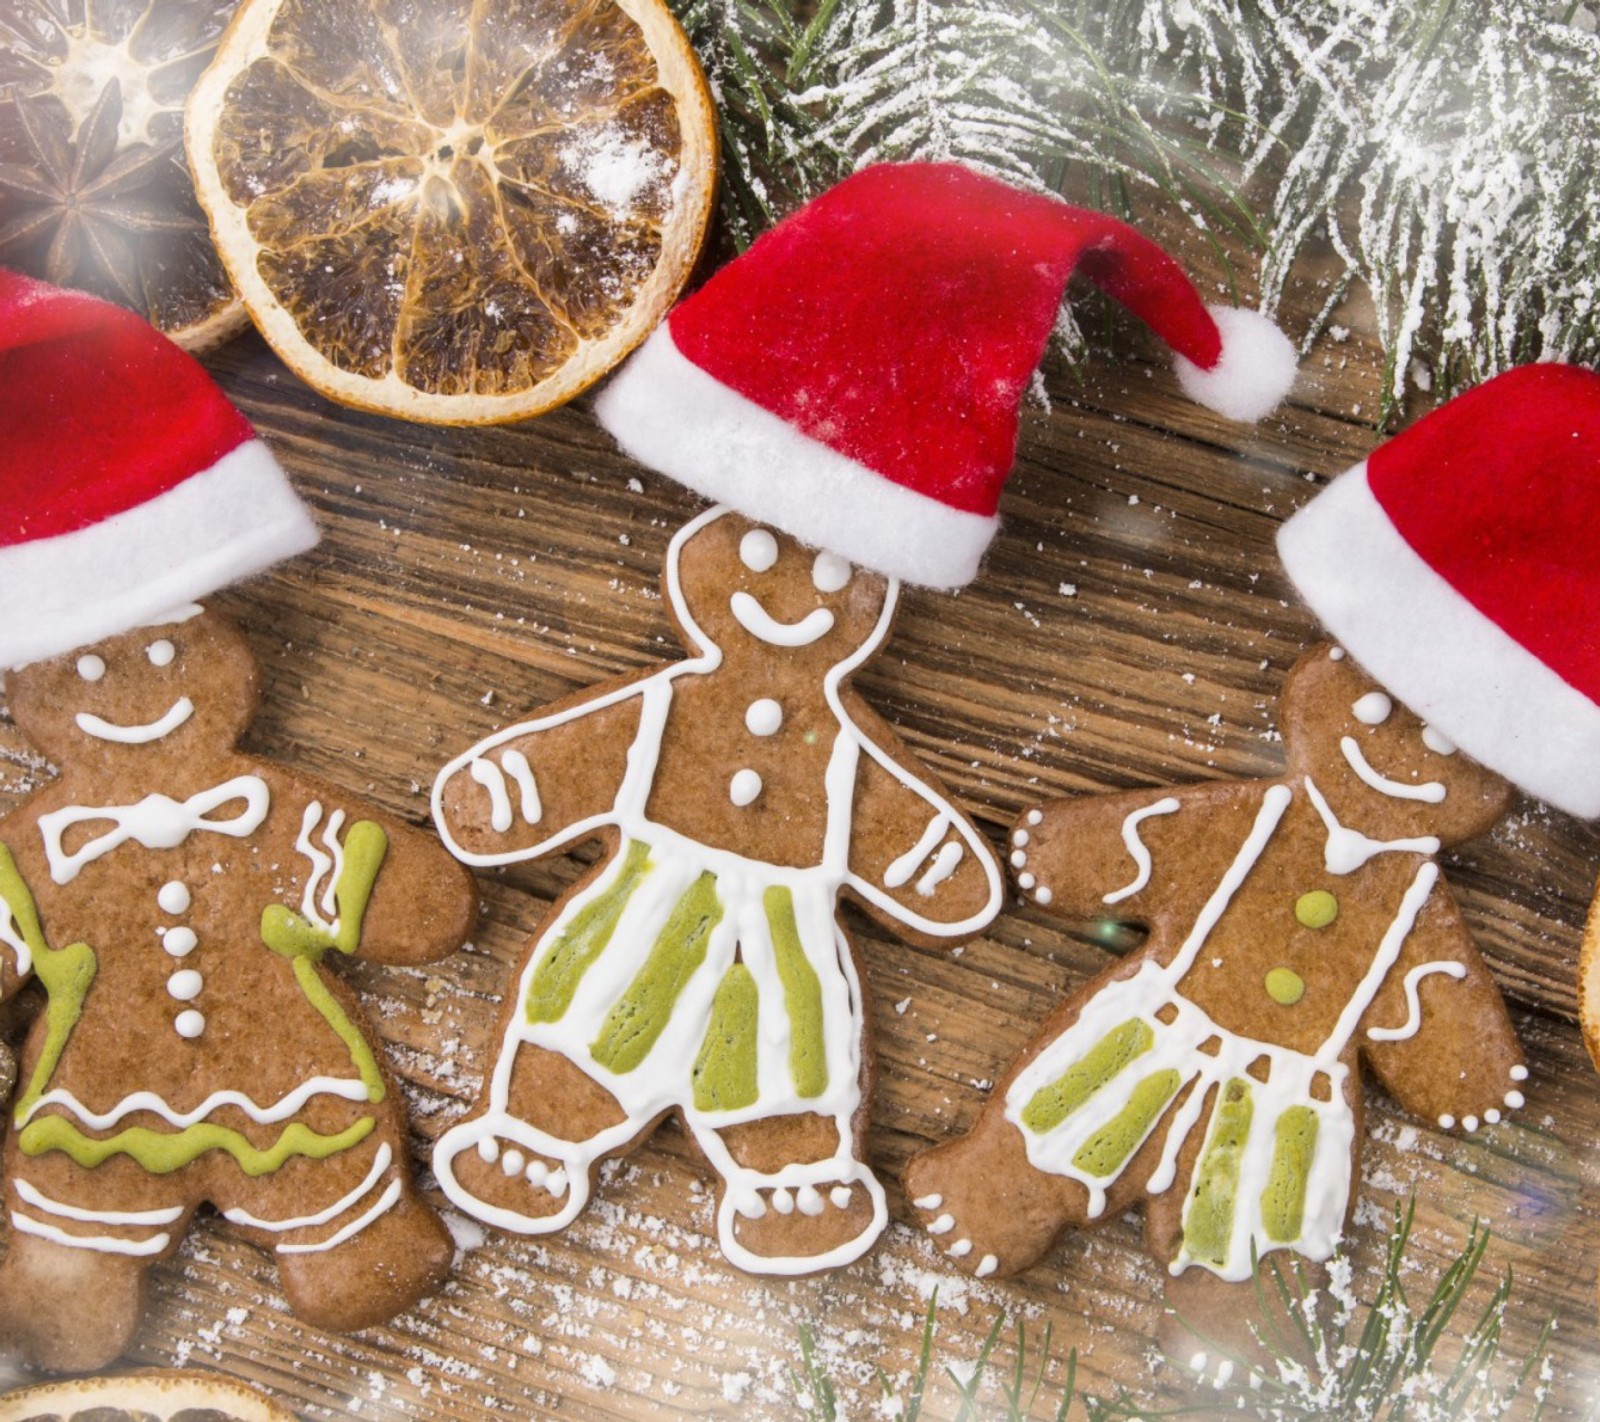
1132	627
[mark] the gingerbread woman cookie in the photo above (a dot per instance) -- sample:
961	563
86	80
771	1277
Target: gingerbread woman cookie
179	901
1298	928
701	968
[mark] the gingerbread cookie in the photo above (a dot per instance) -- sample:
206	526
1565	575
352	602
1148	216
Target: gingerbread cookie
1298	928
179	901
701	968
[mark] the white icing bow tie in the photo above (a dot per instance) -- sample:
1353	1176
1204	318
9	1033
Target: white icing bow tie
157	822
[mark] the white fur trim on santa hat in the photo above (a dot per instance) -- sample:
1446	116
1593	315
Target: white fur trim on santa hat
1256	370
669	414
216	527
1437	653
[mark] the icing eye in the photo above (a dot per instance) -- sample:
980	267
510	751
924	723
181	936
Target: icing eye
161	653
91	667
1438	743
1372	709
830	572
758	550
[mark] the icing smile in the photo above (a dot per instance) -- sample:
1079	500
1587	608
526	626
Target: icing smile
759	623
179	712
1430	790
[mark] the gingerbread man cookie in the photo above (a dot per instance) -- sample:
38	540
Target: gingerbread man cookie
701	968
1298	928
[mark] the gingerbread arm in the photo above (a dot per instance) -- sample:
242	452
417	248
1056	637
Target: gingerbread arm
1437	1033
917	863
534	787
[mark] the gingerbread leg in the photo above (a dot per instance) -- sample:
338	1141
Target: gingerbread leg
68	1309
525	1165
794	1197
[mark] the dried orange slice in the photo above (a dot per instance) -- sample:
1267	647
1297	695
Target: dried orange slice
459	211
94	190
173	1396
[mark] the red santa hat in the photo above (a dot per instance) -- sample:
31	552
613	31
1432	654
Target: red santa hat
1460	564
128	483
855	378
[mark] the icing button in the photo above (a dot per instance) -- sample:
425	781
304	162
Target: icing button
744	788
1020	838
929	1202
190	1024
1042	895
173	897
1519	1073
1447	1122
943	1225
1018	859
512	1162
986	1266
1317	909
763	717
1285	986
1035	817
960	1249
488	1150
180	942
185	985
782	1201
809	1200
1026	881
1514	1099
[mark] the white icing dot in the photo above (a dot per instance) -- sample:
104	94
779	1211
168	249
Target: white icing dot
1337	654
557	1183
758	550
830	572
1373	709
1043	895
1437	741
1470	1122
185	985
91	667
929	1202
943	1225
1492	1116
180	942
1447	1121
537	1174
782	1201
809	1200
1198	1362
1519	1073
190	1023
488	1150
840	1195
744	787
512	1162
960	1249
751	1206
1018	859
763	717
173	897
986	1266
1515	1100
1026	881
1035	817
1020	838
161	652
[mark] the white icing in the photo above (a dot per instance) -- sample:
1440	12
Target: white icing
492	778
347	1088
1515	1100
161	652
512	1163
386	1202
189	1024
986	1266
100	1243
174	897
180	942
1437	741
319	900
1026	881
759	623
528	802
40	1201
1429	791
943	1225
943	866
184	985
1136	848
157	822
1373	709
901	870
1519	1073
661	1082
808	1200
1035	817
1020	839
758	550
91	667
830	573
1413	1023
380	1163
744	788
176	714
960	1249
1043	895
763	717
929	1202
488	1150
1347	850
1336	654
11	936
841	1197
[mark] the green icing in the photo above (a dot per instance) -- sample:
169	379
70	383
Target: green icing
638	1017
303	942
1285	986
1283	1202
66	975
1052	1104
1104	1153
802	995
284	931
556	979
1317	909
725	1072
162	1152
1208	1222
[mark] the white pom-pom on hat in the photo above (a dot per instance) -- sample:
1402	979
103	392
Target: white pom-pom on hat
1254	373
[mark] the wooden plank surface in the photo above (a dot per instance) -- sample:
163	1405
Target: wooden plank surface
1131	627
